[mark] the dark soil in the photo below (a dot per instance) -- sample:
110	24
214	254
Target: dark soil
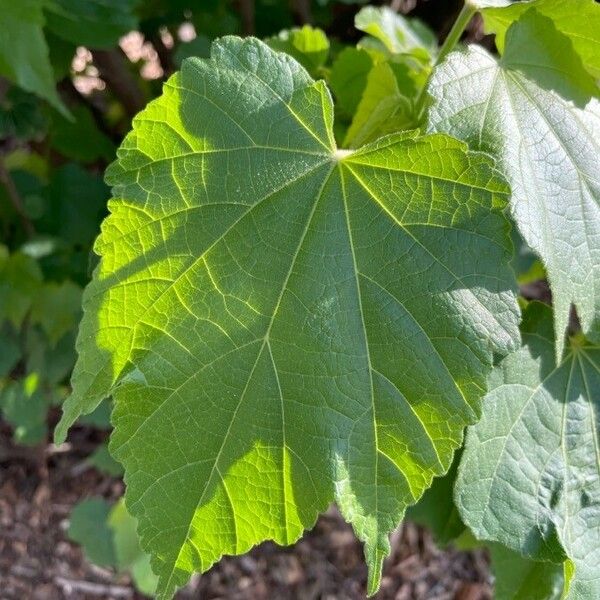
38	562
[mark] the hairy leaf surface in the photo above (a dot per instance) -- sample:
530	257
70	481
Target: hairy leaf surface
530	473
535	109
283	324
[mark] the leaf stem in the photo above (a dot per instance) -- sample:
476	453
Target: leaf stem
453	37
463	19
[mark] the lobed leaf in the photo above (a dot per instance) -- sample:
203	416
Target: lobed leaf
529	477
283	324
536	110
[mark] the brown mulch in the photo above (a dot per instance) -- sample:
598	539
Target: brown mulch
38	562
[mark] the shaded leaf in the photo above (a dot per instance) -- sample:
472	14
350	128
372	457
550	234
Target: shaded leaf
93	23
308	45
88	527
20	281
24	407
23	50
518	578
130	556
534	110
348	78
579	20
530	473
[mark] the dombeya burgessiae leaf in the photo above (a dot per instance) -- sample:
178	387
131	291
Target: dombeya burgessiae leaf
535	110
530	473
283	324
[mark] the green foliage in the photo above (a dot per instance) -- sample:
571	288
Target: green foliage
129	555
102	460
280	323
108	537
535	450
273	270
87	527
579	20
535	102
309	46
93	23
517	578
23	50
398	34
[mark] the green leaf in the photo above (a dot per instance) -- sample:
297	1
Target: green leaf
281	323
105	463
519	578
579	20
88	527
57	308
388	103
23	50
533	109
530	472
21	116
10	350
24	407
20	281
308	45
67	216
79	138
129	555
397	33
436	509
348	78
53	363
199	46
93	23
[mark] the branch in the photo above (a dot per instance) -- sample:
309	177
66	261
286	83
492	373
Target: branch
112	67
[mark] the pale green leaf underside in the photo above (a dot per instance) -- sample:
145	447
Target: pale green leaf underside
534	111
530	472
283	324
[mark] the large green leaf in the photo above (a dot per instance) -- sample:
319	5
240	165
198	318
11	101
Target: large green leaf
24	52
579	20
530	473
281	323
534	109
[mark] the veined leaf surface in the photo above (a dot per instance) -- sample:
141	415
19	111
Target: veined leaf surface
283	324
535	110
530	473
